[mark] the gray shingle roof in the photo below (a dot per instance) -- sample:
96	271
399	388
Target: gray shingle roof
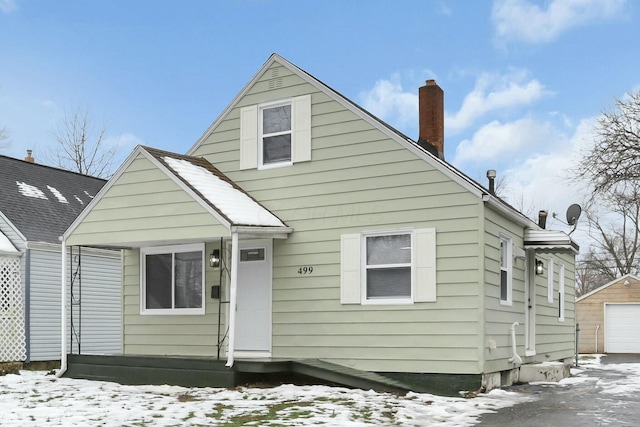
42	201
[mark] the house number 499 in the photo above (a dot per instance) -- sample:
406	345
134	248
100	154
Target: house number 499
305	270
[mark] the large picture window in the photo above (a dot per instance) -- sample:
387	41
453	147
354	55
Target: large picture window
506	270
172	279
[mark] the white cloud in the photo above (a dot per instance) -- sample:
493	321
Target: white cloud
521	20
542	181
494	92
499	142
388	101
125	140
8	6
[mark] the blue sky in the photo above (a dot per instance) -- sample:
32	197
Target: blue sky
524	80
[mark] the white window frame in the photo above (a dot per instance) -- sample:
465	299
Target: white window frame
261	135
550	280
365	268
506	242
173	249
561	305
423	267
250	125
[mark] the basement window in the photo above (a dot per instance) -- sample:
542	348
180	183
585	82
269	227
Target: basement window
172	279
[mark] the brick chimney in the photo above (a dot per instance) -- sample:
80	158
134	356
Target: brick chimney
29	158
431	117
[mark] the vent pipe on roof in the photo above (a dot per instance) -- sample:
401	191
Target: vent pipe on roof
542	219
431	118
29	157
491	175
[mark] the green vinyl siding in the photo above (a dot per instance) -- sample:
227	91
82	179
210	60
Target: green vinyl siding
145	205
359	180
498	316
169	335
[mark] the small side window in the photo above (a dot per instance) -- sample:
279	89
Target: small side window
506	270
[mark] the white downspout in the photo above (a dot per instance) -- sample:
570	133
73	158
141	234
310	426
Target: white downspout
515	358
597	327
233	291
63	313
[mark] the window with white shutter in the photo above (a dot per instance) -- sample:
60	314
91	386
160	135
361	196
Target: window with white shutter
394	267
275	134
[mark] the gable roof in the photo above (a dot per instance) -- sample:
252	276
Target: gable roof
441	165
214	188
6	247
40	201
230	205
606	285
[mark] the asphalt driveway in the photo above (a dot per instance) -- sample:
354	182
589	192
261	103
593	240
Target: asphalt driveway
595	396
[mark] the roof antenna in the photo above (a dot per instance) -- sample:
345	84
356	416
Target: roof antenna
573	214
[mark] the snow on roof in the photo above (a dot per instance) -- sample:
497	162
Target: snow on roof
58	194
31	191
233	203
6	245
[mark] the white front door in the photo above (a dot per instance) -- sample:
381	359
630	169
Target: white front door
253	307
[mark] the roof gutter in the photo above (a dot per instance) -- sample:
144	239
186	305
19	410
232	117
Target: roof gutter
495	204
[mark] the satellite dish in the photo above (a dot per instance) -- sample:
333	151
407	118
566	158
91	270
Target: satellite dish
573	213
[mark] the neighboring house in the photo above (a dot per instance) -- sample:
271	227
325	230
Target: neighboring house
608	317
37	204
340	239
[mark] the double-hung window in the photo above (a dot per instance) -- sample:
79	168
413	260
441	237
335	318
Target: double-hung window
275	134
172	279
388	267
506	270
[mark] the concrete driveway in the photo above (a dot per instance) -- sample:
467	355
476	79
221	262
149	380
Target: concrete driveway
595	396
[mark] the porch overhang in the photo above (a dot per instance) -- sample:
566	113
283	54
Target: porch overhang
549	240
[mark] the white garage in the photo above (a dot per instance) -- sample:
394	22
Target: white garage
621	328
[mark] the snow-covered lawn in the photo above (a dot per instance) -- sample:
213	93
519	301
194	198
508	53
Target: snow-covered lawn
36	399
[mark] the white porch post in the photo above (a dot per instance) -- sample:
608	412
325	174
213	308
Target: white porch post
233	292
63	312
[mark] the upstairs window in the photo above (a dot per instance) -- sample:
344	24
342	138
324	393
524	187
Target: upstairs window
172	279
275	133
275	136
506	270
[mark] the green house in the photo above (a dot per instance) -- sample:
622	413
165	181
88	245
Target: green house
334	238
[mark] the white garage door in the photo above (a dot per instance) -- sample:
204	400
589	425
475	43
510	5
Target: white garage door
621	322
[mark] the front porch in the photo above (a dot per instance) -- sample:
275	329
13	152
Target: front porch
206	372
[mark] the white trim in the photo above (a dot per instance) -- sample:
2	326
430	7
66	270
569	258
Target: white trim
266	106
247	354
233	298
530	302
63	311
550	280
363	262
561	291
508	258
606	285
13	227
173	249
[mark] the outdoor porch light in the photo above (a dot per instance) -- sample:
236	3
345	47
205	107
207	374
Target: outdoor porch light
539	267
214	258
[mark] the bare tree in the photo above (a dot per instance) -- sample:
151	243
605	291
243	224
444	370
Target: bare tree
613	225
3	138
81	148
615	156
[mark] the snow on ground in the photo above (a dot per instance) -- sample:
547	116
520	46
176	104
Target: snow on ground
34	398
